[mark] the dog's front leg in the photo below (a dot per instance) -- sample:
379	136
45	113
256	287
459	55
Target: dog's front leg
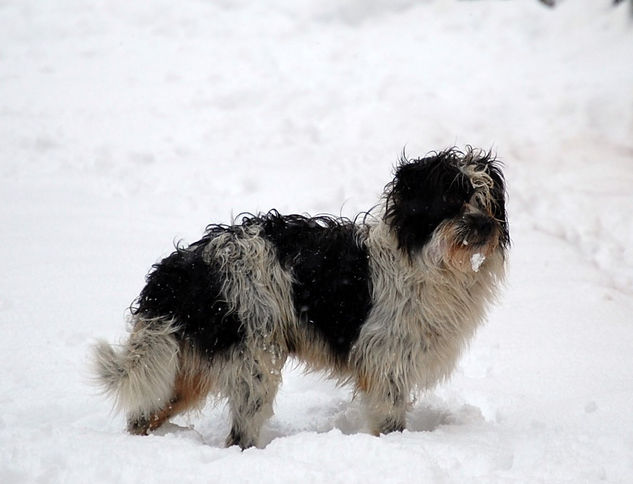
386	402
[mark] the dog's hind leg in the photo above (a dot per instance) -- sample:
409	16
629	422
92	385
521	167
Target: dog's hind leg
192	384
142	373
153	375
250	384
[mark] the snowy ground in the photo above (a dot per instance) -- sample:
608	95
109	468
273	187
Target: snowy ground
127	125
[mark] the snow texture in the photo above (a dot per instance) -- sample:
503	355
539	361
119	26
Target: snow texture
476	260
126	126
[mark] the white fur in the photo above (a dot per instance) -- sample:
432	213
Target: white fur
258	289
424	311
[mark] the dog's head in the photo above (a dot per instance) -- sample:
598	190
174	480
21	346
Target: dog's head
451	202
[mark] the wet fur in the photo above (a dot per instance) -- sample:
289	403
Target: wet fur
386	305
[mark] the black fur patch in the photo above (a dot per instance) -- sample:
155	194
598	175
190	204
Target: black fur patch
424	193
184	287
330	267
331	287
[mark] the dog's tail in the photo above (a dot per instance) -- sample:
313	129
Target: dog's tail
140	375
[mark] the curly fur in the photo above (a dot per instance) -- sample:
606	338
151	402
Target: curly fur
386	304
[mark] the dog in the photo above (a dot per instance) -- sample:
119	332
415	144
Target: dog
385	303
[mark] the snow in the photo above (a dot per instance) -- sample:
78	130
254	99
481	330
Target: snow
127	126
476	260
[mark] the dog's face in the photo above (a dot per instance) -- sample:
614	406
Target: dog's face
453	201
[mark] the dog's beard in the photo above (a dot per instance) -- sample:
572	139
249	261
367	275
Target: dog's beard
464	244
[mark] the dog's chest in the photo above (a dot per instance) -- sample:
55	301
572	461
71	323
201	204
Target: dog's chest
422	321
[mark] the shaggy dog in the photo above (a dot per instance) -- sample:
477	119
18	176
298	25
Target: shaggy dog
386	304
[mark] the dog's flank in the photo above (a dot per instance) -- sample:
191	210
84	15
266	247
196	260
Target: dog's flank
386	304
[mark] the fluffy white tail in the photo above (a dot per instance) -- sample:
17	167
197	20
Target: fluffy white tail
140	375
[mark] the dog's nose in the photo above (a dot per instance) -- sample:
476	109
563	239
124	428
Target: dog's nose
480	226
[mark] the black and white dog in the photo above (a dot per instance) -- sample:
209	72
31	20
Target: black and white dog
386	304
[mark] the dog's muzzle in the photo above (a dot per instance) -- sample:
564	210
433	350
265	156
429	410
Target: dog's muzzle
478	228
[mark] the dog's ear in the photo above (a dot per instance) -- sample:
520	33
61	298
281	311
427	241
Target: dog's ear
423	193
487	163
498	195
